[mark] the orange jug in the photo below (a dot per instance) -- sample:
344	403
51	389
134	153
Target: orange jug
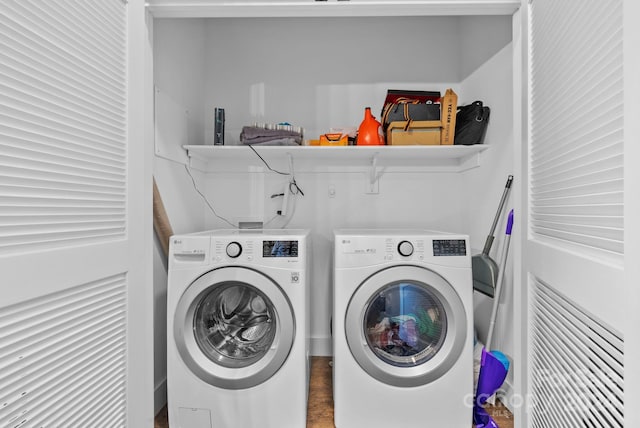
370	130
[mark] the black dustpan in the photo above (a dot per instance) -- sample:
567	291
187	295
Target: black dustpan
484	268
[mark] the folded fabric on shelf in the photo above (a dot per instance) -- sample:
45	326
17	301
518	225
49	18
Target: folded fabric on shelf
276	142
255	135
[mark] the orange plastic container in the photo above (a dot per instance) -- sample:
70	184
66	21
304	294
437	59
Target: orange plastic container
334	139
370	130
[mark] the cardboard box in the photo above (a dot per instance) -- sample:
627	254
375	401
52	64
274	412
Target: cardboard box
420	132
449	107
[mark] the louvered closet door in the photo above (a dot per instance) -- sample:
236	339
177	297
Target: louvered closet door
75	305
574	252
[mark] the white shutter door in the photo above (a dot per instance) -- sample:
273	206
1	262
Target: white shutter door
75	312
574	251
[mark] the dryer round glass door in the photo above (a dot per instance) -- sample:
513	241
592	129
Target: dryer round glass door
406	326
234	327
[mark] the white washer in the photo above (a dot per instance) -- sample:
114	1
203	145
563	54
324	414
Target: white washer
402	332
237	326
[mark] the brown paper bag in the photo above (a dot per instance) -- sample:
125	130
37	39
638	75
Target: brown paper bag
449	107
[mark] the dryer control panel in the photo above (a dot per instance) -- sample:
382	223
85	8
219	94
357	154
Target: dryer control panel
378	248
449	247
385	249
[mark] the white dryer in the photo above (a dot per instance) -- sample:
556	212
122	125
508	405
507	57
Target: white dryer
403	329
237	325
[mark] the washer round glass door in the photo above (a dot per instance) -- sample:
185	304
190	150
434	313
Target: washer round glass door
406	326
234	327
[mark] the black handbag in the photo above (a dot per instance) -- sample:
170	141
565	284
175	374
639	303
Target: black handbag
471	124
407	111
409	106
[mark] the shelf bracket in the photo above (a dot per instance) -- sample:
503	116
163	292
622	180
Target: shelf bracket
290	159
469	162
374	177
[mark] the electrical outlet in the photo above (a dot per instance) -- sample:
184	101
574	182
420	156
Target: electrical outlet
332	191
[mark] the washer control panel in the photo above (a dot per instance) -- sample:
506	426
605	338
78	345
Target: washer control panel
405	248
234	249
279	248
264	251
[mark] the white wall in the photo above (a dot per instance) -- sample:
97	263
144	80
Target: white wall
477	44
322	77
319	72
179	67
492	83
407	200
178	63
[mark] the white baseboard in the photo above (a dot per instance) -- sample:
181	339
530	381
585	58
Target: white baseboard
160	396
321	347
506	395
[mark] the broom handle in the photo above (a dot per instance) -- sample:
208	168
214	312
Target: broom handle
496	297
161	221
489	242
